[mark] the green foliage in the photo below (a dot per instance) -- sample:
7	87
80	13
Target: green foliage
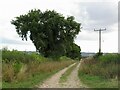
64	58
106	66
108	58
100	72
98	83
51	33
31	73
97	55
30	82
19	56
74	52
18	67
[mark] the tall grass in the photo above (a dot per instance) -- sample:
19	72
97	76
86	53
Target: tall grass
19	66
105	67
110	58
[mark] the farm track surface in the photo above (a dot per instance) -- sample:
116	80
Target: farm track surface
72	81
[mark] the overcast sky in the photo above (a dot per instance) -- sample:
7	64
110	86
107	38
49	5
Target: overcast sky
90	13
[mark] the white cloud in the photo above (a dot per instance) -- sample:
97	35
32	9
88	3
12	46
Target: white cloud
110	42
84	13
20	47
90	42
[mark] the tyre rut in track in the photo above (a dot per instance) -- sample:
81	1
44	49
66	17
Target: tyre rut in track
53	82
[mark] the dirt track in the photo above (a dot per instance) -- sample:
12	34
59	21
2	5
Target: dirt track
72	82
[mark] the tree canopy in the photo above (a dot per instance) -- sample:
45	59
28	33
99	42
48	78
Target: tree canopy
51	33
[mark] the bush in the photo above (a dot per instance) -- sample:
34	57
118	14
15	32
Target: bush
64	58
97	55
17	67
108	58
19	56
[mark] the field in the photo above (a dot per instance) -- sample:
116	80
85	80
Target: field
100	72
21	69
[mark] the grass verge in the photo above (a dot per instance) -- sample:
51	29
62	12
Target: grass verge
98	82
100	72
25	70
32	80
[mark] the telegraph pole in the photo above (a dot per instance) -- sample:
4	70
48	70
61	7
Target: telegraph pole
100	37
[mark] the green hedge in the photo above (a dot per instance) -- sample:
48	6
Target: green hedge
108	58
19	56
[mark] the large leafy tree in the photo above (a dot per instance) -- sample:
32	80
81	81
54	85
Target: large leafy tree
74	52
51	33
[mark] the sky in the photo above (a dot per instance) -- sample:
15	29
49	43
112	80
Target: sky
92	14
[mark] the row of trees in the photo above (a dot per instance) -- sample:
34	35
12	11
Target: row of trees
52	34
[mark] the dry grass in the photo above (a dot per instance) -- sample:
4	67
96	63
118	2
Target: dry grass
99	68
101	72
8	73
20	69
31	68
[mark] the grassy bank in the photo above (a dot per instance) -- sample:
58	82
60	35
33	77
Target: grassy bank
25	70
97	81
100	72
